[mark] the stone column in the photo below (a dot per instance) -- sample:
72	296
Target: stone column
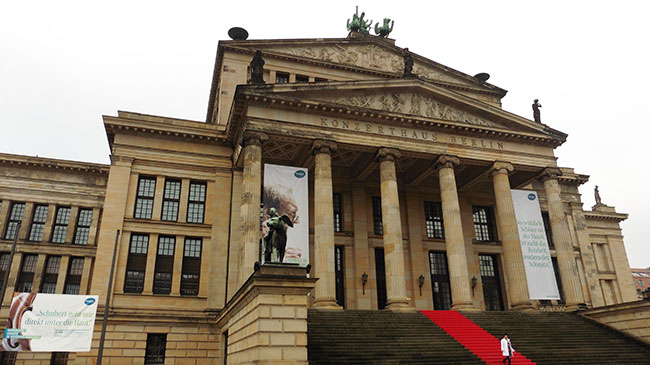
509	234
250	202
561	237
461	297
323	226
392	224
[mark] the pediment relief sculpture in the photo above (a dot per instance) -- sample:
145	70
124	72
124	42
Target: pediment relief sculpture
414	104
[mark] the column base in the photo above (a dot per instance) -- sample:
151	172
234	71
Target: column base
573	307
522	306
464	307
326	304
399	305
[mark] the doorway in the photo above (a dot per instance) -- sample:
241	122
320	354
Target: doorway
380	270
440	280
491	282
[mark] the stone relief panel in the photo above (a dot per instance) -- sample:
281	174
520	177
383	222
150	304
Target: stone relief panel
414	104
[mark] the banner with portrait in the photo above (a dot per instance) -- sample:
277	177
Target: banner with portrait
285	197
50	322
534	246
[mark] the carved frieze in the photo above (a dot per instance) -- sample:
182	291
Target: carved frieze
414	104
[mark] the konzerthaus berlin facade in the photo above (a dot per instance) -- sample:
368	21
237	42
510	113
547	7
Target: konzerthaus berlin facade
409	196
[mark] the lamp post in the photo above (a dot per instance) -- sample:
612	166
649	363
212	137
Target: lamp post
420	283
364	280
100	352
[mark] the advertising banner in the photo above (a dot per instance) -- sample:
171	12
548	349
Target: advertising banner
285	190
50	322
534	246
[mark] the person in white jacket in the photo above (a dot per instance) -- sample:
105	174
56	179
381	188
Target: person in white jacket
506	349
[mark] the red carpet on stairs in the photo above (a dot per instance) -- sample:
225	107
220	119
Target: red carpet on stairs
474	338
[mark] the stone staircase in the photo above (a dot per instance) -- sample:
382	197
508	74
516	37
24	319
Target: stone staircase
380	337
562	338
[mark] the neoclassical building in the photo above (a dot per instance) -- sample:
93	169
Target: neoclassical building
409	207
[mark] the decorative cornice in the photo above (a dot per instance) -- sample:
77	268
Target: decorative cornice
49	163
614	217
446	161
387	154
323	146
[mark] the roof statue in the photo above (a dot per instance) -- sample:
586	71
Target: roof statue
597	196
536	113
385	29
408	63
358	24
257	68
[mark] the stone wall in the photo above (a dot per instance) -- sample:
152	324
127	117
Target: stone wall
632	318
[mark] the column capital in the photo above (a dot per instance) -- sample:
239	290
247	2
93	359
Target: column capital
502	168
323	146
389	154
550	173
446	161
254	138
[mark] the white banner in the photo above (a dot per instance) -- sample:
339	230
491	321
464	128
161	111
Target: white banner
534	246
286	190
50	322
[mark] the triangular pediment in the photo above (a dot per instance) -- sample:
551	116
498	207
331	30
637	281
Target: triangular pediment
409	98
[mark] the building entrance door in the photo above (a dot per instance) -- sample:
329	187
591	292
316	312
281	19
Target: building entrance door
491	282
339	262
380	270
440	280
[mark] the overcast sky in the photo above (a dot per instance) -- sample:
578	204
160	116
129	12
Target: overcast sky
64	64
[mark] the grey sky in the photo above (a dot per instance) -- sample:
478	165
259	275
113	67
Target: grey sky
63	64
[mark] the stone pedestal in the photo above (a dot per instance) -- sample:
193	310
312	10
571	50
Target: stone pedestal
266	319
509	234
461	298
392	224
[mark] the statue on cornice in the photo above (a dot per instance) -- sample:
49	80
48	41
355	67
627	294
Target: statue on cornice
257	68
385	29
597	196
358	24
408	63
536	113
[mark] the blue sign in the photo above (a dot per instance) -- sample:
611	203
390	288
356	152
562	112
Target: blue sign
531	196
90	301
299	174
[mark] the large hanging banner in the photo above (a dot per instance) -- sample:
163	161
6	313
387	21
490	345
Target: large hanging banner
534	246
286	190
50	322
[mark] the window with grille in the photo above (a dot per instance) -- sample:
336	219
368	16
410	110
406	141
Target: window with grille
320	79
38	223
281	77
191	266
26	277
51	274
60	224
144	198
155	350
376	216
8	357
59	358
302	78
547	228
338	213
162	280
15	216
136	263
483	228
196	202
4	265
73	279
83	227
433	220
171	199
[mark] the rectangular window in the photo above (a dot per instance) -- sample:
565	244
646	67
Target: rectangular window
15	216
136	263
59	358
60	224
4	265
73	279
196	203
26	277
302	78
171	199
320	79
155	350
281	77
338	213
482	217
162	280
51	274
144	198
38	223
83	227
191	266
376	216
339	272
547	229
433	220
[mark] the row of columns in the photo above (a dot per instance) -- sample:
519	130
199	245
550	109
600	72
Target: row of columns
392	228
